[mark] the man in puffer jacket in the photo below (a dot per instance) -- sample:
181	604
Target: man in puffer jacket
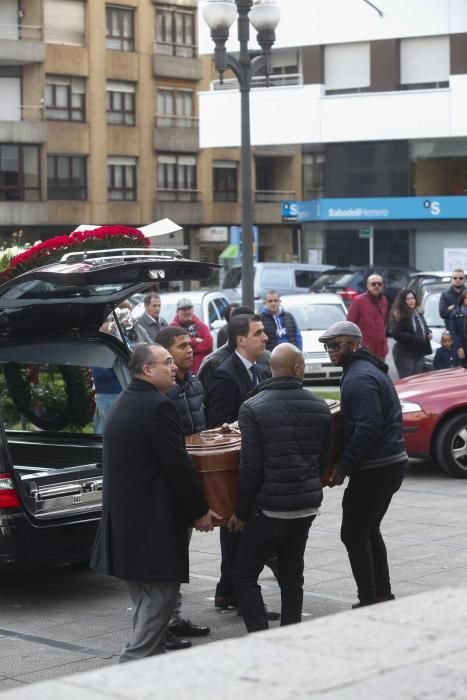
286	440
373	457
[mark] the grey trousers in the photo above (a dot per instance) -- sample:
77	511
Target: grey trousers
176	614
152	605
407	365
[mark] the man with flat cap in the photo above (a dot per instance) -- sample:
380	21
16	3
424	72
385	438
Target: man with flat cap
373	457
286	441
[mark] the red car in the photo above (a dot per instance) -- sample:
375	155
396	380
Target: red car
434	408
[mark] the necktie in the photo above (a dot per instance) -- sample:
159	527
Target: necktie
254	374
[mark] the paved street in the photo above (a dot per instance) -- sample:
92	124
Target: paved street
70	620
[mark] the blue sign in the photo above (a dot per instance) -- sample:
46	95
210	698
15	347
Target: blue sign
375	209
236	239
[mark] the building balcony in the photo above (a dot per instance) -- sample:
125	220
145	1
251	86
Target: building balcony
259	81
20	45
182	206
18	214
179	134
22	124
170	65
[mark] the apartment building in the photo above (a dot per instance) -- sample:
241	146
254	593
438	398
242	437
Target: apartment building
364	126
98	115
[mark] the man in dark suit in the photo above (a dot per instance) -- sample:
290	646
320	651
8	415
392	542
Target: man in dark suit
229	388
151	494
240	373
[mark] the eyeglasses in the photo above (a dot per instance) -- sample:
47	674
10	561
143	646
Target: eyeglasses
168	362
336	344
457	278
376	284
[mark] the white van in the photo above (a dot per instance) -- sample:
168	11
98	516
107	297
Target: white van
285	278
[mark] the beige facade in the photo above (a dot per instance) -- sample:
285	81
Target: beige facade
104	128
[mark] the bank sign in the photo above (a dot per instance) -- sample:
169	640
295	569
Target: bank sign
375	209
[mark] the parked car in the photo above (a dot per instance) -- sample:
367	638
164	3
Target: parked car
285	278
313	314
350	281
50	456
434	412
208	306
420	280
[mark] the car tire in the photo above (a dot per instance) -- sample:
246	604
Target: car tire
450	446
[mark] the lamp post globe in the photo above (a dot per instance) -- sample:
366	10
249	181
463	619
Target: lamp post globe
219	14
265	15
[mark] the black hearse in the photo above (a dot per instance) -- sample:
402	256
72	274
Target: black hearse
50	343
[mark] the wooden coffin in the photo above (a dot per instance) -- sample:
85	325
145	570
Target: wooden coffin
216	456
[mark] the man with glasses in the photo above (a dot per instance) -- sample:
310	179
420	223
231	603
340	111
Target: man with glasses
373	457
451	297
151	493
370	312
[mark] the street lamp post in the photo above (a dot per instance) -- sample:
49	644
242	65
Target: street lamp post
264	15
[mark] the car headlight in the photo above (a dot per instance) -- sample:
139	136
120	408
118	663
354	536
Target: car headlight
410	407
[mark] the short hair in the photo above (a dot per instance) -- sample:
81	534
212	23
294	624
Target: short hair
374	274
149	296
166	337
271	291
241	310
458	269
239	325
228	310
445	334
140	356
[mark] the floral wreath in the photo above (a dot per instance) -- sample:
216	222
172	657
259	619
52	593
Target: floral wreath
39	405
52	250
42	407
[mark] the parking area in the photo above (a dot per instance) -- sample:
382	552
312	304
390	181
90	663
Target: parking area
70	620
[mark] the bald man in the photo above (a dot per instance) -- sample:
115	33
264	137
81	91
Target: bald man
286	440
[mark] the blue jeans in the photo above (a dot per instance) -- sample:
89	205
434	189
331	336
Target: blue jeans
103	403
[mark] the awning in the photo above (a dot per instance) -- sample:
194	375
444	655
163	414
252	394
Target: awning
230	253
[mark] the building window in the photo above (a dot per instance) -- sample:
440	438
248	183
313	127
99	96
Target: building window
65	98
176	178
19	173
425	63
121	103
175	32
313	175
64	22
119	28
66	177
174	107
224	177
121	178
347	68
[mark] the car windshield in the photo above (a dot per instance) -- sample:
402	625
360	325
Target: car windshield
317	317
432	316
341	279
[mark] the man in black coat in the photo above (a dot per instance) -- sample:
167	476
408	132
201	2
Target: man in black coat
373	457
286	443
450	298
151	495
229	387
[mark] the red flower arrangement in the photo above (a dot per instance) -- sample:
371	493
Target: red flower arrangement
53	249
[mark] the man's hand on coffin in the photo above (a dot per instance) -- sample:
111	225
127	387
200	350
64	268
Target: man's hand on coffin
234	524
207	521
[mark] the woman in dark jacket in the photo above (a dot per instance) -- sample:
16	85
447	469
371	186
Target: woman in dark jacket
458	327
411	334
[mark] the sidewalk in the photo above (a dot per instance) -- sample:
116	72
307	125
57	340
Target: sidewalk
69	621
411	648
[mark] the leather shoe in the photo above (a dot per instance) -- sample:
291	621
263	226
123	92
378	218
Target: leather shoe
224	602
270	614
171	642
379	599
186	628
